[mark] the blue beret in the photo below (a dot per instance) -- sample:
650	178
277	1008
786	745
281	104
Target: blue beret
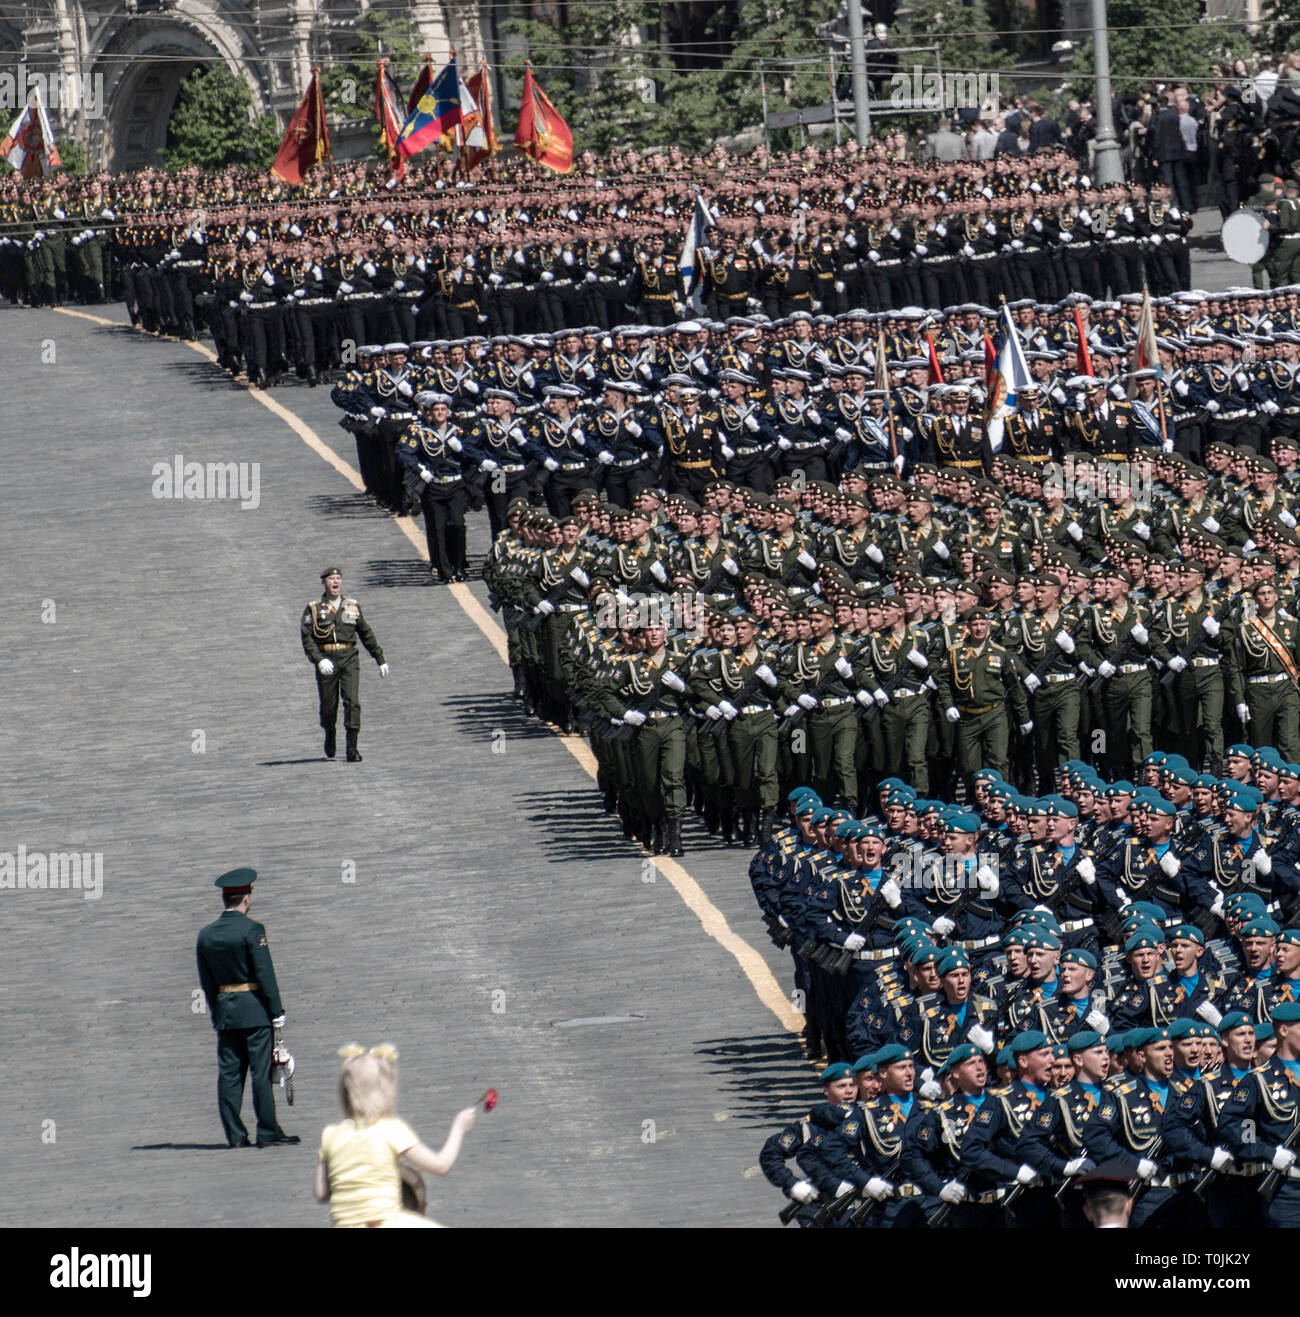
986	775
1145	1037
1202	1030
961	1053
1290	770
1260	926
1060	808
1159	805
846	830
865	1062
891	1053
803	793
1264	1030
1233	1020
1240	751
1155	759
1205	782
1184	1028
822	815
890	782
1040	919
1030	1040
1120	788
1145	935
964	823
952	959
924	953
1017	937
1004	1057
1188	932
1287	1012
1084	1039
1148	910
1290	936
1079	956
1043	939
1117	1042
1268	756
1249	904
868	830
836	1070
1179	774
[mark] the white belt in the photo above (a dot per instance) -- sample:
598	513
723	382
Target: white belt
881	953
260	306
574	466
978	943
1059	676
511	468
1130	668
627	461
659	714
904	694
444	480
569	608
1074	925
1232	416
1205	663
316	301
835	703
755	708
1272	679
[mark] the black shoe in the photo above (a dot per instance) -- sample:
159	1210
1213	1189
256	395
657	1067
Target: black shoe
673	829
244	1144
659	840
354	755
281	1138
331	743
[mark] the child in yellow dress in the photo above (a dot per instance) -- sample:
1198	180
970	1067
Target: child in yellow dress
358	1172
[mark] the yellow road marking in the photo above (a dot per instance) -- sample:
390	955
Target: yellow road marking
713	921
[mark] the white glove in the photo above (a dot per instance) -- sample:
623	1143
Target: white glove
634	716
805	559
1026	728
383	669
581	577
874	553
917	659
806	701
803	1192
674	682
931	1091
880	698
658	572
1105	668
425	474
1064	641
854	942
843	667
1074	531
325	667
943	925
551	464
732	568
1220	1158
1211	406
942	550
1087	870
545	608
345	288
1142	530
1286	519
842	434
488	465
1263	862
1217	907
981	1037
1170	864
605	459
952	1192
765	675
1032	683
751	424
1140	633
1146	1169
1097	1021
454	444
987	880
713	713
278	1022
1243	714
1076	1165
728	710
728	452
1026	1175
864	698
245	297
404	388
1211	524
784	445
890	891
1210	626
845	1188
1283	1159
881	1189
1210	1013
952	714
633	429
1177	663
469	386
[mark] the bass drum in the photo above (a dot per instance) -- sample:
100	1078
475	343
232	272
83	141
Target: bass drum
1245	239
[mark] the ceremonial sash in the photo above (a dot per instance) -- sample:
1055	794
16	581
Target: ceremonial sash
1269	637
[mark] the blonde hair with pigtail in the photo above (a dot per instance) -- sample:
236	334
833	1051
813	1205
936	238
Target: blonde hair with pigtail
368	1083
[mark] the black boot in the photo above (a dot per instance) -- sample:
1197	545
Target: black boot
331	743
674	837
354	755
728	825
764	826
747	827
629	822
711	818
518	673
658	839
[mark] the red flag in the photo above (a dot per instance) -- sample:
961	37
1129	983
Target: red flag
990	365
1085	357
390	118
936	371
422	84
307	140
480	88
542	133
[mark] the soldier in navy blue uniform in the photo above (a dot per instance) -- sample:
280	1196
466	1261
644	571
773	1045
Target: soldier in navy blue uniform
498	446
430	452
1263	1113
992	1154
937	1023
839	1088
1144	996
627	441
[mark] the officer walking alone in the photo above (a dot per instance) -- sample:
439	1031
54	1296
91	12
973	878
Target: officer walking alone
238	981
331	626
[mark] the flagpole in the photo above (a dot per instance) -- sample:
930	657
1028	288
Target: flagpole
320	119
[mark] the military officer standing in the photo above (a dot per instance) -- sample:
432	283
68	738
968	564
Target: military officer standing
331	626
243	999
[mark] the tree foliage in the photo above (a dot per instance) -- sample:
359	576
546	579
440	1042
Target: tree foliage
213	124
963	33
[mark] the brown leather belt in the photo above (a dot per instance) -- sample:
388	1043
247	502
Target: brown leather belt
237	987
974	710
334	649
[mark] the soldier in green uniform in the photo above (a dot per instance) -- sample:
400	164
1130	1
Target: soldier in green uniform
331	626
243	999
1260	668
976	681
